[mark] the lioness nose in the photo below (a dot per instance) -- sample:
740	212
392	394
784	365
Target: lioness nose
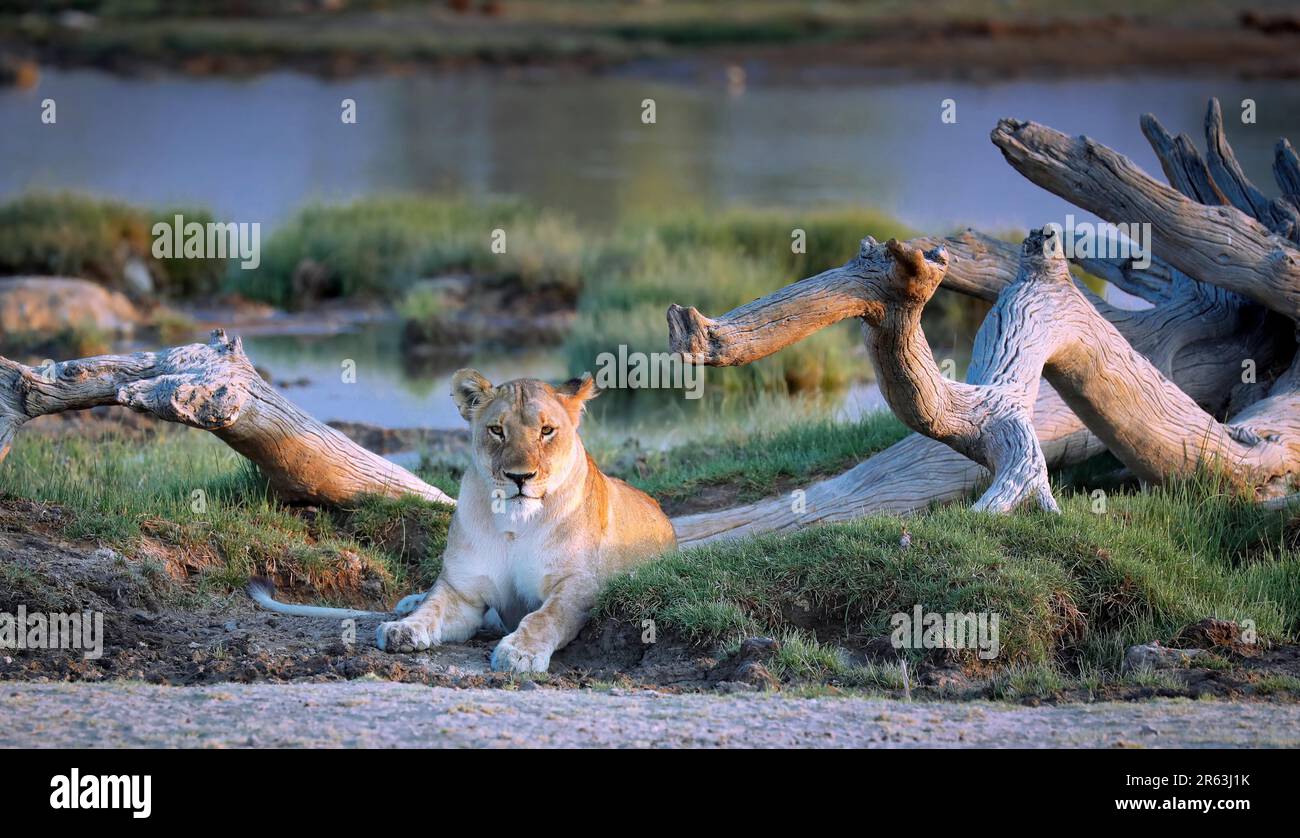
520	478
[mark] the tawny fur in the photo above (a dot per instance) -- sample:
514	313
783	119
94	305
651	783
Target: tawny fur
538	546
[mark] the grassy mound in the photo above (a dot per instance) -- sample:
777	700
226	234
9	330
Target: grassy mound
1071	591
185	503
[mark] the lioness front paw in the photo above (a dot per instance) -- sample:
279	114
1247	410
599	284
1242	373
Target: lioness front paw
403	636
507	657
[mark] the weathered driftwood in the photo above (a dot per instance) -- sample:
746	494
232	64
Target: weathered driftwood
214	387
1152	385
1222	245
1149	384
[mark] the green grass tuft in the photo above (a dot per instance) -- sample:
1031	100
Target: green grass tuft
209	512
1072	589
715	263
80	236
377	248
757	463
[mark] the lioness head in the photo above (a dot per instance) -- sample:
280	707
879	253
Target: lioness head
524	434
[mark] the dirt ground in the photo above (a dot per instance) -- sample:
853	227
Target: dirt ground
157	634
377	714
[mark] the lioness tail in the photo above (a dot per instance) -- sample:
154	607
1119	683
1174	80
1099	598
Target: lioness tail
262	590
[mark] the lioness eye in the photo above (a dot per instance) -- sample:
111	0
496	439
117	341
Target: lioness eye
547	430
496	431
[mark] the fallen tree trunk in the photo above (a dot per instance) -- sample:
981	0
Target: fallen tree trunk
1222	245
213	387
1196	337
1151	385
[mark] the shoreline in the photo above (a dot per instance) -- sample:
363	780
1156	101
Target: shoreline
1251	46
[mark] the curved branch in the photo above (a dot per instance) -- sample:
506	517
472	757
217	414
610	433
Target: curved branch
768	324
213	387
990	418
1220	245
978	265
1197	339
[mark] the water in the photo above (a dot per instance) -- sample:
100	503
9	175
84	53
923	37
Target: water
386	391
257	150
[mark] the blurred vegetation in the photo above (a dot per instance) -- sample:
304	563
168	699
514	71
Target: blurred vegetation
377	248
76	341
344	36
716	262
80	236
623	282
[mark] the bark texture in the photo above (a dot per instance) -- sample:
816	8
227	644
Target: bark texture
214	387
1155	386
1205	377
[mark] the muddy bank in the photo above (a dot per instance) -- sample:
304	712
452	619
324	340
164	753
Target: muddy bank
465	313
1004	50
800	44
158	628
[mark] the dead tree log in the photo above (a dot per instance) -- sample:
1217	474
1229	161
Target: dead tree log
1151	385
213	387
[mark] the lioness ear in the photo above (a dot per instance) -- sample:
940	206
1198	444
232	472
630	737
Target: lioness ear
575	393
470	390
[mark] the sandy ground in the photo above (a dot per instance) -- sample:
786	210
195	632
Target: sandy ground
380	714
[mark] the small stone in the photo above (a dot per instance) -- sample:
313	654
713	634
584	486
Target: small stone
1155	656
756	675
758	648
231	625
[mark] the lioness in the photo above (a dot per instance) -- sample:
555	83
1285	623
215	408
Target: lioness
537	529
